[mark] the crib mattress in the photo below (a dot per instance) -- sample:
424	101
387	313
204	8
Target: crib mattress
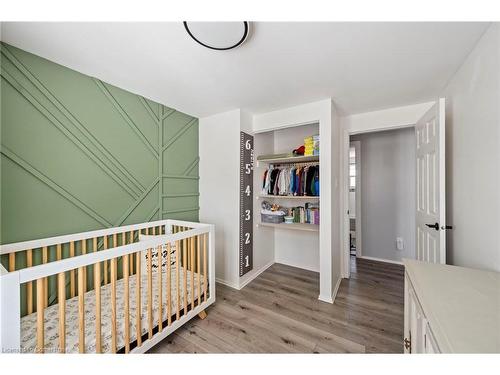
51	317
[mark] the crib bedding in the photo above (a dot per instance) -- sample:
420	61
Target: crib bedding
51	317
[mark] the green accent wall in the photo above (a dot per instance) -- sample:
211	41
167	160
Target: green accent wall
79	154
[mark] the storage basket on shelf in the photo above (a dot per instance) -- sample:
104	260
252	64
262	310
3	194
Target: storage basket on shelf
273	219
271	213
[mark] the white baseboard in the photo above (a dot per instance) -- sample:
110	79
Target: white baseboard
247	280
382	260
226	283
327	299
255	274
331	299
336	289
298	266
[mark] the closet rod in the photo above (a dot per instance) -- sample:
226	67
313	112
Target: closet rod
314	163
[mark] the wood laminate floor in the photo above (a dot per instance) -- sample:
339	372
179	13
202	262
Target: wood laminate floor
279	312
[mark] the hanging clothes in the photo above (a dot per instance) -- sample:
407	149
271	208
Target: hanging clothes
293	180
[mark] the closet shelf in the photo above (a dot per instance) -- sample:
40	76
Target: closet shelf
294	159
300	197
294	226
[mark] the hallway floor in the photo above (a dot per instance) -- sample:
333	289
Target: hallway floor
279	312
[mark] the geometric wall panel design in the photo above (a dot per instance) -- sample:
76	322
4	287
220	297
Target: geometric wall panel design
78	154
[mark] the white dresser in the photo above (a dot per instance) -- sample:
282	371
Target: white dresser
451	309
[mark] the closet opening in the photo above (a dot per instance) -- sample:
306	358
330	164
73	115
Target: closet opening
287	186
381	195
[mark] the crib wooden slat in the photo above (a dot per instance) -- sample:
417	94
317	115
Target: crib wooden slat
58	251
198	267
191	242
131	255
124	242
127	306
61	302
45	259
97	288
105	243
138	311
160	289
81	310
29	285
40	305
84	251
94	244
184	264
188	259
177	286
113	305
72	272
169	292
205	267
12	262
150	294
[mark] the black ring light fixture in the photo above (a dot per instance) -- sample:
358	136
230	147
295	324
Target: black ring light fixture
245	35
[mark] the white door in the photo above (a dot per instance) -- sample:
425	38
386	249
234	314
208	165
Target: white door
430	217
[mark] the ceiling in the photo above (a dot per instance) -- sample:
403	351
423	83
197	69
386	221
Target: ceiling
362	66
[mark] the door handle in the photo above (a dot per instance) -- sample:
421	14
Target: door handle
435	226
443	227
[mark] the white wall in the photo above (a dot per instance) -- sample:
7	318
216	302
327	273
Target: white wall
219	194
388	193
299	249
385	119
219	189
473	157
335	205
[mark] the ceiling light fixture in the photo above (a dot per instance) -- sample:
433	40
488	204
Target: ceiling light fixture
220	36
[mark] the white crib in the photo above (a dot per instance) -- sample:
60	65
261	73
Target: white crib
106	291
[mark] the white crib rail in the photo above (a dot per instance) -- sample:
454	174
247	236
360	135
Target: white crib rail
51	241
68	264
10	291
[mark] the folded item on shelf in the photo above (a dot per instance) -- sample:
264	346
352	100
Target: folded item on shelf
299	151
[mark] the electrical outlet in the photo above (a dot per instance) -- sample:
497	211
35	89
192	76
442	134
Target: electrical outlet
400	244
